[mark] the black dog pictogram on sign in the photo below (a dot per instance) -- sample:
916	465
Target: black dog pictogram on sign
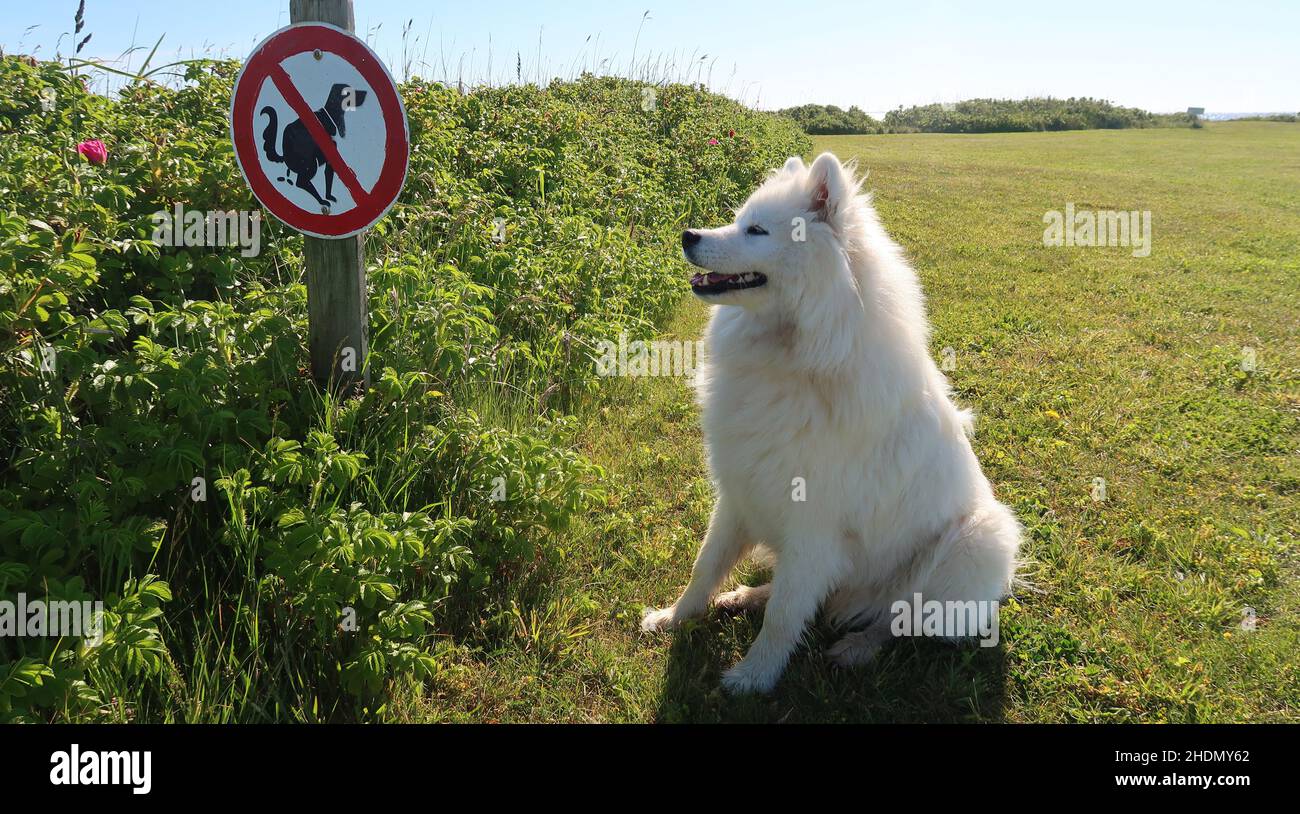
301	155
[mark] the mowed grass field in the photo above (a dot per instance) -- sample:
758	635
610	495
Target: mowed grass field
1082	363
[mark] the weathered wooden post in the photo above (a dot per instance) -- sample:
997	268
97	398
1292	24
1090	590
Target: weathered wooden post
320	134
337	338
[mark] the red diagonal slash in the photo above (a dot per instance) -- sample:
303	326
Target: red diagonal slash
326	144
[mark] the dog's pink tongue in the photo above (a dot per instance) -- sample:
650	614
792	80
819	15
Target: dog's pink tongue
712	278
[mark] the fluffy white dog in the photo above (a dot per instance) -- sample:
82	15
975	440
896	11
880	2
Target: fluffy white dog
832	437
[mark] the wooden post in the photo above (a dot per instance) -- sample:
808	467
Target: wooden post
336	269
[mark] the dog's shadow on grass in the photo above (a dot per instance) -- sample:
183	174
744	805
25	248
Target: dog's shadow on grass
911	680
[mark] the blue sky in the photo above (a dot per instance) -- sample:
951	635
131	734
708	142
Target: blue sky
1160	55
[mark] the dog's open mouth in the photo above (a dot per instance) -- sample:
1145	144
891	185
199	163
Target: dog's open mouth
713	283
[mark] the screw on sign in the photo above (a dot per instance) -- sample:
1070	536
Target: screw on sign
319	130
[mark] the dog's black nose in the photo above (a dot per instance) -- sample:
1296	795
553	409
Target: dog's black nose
690	238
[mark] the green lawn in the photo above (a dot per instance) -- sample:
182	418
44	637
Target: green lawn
1082	363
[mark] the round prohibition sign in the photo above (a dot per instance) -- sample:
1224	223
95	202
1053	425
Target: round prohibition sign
266	64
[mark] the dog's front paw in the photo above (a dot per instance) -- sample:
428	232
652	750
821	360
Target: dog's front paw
658	621
750	677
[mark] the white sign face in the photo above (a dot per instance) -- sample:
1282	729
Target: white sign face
358	135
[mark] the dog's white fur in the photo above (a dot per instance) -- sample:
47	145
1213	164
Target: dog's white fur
824	374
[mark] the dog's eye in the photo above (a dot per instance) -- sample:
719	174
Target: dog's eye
756	230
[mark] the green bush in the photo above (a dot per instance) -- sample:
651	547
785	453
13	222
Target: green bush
1025	115
829	120
340	540
982	116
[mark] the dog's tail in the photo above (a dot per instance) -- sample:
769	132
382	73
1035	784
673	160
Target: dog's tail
268	136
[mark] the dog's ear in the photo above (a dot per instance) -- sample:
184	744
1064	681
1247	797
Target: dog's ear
793	164
829	187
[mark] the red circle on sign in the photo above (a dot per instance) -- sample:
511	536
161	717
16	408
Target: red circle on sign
264	65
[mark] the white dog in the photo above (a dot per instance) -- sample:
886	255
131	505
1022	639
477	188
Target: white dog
832	438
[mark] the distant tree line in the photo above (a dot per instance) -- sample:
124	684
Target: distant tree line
1271	117
984	116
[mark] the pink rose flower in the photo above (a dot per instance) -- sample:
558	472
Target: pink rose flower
94	151
713	141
